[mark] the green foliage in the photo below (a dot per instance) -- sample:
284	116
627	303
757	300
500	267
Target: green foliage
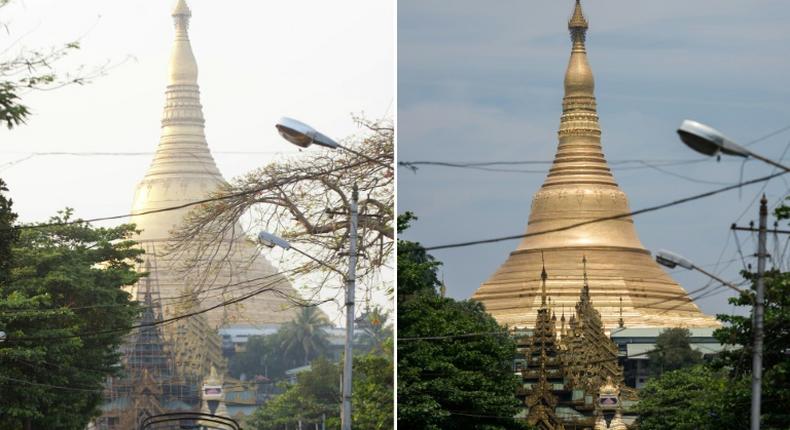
8	235
463	382
373	393
31	70
416	268
296	343
776	344
718	395
673	351
316	396
695	398
65	281
372	332
262	357
304	338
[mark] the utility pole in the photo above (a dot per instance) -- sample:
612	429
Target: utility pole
758	309
350	287
759	303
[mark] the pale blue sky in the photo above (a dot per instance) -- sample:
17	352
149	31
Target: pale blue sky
482	81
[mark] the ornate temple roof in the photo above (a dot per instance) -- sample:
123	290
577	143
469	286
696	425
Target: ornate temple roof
581	211
564	374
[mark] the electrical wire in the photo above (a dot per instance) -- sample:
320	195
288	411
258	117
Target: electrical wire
176	207
265	288
609	218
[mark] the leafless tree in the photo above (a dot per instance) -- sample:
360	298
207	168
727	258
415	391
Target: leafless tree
305	200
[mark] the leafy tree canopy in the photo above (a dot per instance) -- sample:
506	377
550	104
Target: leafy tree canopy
673	351
718	395
695	398
65	314
315	397
449	383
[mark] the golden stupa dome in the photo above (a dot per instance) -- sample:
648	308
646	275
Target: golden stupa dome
579	212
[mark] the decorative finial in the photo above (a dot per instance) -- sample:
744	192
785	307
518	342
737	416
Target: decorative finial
578	24
543	277
586	287
620	322
147	298
181	15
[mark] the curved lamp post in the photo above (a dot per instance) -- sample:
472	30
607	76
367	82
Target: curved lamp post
271	240
709	141
672	260
302	135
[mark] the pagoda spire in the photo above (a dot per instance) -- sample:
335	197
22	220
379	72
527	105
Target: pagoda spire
581	211
183	169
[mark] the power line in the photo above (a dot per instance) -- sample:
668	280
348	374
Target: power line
609	218
170	320
185	205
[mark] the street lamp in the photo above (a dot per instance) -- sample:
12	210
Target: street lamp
302	135
271	240
672	260
709	141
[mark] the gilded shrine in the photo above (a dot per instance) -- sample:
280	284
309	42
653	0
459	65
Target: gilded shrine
571	379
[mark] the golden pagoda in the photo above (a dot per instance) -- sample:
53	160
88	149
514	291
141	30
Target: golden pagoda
570	379
623	280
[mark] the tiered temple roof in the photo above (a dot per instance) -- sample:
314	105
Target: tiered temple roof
563	371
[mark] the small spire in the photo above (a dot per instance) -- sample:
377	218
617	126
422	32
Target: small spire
147	298
543	277
586	287
578	24
182	9
620	322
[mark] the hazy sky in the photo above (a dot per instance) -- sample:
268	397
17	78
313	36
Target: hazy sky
482	81
258	60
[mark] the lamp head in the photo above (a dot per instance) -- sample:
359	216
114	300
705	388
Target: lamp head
270	240
707	140
672	260
302	135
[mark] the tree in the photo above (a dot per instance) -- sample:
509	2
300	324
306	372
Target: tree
718	395
776	360
372	331
673	351
24	70
694	398
305	200
65	313
304	338
374	390
8	234
262	356
314	397
454	360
